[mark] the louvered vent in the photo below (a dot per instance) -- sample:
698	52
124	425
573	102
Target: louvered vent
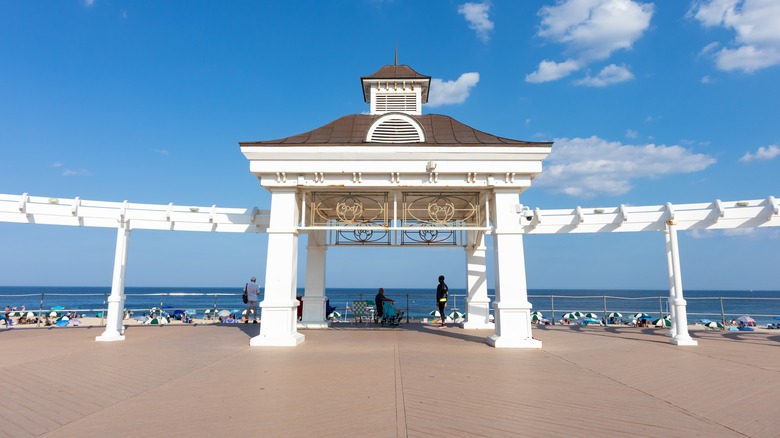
395	130
403	103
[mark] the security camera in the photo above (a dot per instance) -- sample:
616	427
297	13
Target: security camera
527	213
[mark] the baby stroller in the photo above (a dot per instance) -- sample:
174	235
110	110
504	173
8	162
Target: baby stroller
390	317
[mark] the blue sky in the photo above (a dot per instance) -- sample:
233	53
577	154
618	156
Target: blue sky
647	103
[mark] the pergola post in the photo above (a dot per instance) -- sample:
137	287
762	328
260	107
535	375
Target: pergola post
314	294
477	301
512	308
681	336
672	293
116	301
279	308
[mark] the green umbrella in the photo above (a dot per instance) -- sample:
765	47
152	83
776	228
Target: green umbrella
578	314
591	315
615	315
537	313
570	315
456	315
662	322
334	314
714	324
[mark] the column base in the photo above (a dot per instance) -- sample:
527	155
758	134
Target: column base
278	341
314	325
477	325
683	341
506	342
478	315
109	338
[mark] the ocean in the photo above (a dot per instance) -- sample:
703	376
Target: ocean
763	306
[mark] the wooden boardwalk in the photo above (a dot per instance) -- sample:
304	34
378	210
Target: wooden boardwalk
415	381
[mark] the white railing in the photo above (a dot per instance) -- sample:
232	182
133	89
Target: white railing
716	215
84	213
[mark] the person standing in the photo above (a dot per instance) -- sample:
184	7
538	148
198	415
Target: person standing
441	298
251	290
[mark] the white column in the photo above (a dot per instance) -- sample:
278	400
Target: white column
279	308
512	308
681	336
672	293
314	294
477	303
116	301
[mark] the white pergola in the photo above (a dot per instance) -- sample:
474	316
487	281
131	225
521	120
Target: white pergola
126	217
394	177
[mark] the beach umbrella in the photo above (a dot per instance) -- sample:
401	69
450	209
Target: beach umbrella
63	318
704	321
29	315
53	314
578	314
537	313
640	315
570	315
334	314
456	315
223	313
17	313
615	315
591	315
536	318
434	313
714	324
746	320
662	322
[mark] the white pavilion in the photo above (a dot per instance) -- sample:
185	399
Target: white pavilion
396	176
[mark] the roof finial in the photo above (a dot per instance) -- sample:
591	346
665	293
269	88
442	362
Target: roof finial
396	53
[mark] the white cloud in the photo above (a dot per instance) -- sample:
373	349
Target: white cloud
552	71
587	167
477	16
89	3
750	233
161	151
762	154
451	92
756	24
56	164
611	74
630	133
76	172
592	30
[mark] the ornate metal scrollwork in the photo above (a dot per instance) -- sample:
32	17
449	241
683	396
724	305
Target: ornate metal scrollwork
345	209
429	236
362	237
441	209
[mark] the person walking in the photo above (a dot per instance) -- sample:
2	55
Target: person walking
441	298
251	290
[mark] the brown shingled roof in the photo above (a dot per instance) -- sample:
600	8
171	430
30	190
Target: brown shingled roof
395	71
352	130
391	71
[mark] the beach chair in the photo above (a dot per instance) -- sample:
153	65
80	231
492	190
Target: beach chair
360	312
